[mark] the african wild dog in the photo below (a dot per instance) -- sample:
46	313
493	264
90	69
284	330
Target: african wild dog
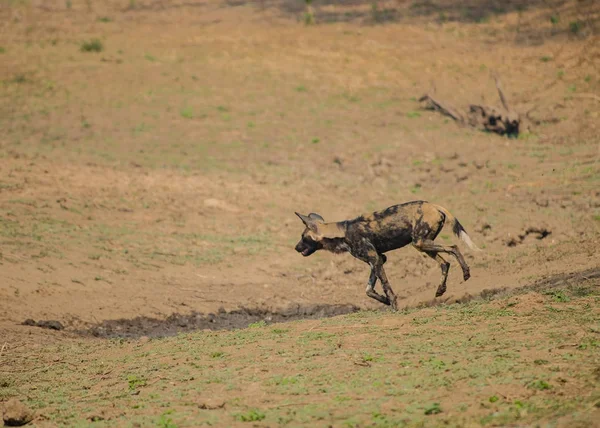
368	237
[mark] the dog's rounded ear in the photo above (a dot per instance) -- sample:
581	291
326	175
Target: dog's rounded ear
316	217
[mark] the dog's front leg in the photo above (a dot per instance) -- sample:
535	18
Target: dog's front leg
367	253
371	289
387	289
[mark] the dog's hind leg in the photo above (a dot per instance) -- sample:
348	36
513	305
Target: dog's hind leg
445	266
426	246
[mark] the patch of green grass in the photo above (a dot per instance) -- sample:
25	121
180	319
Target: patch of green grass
104	19
258	324
555	19
93	45
165	421
413	114
315	140
588	343
558	295
309	18
282	380
301	88
546	58
149	57
2	50
540	385
576	26
20	78
252	415
433	409
134	382
141	128
187	113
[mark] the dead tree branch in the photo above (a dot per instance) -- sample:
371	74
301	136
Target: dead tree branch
502	121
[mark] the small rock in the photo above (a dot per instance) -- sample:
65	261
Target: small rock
16	413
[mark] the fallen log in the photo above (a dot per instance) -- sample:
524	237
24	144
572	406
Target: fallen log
500	120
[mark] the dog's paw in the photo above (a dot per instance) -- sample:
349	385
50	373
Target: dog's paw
440	291
466	275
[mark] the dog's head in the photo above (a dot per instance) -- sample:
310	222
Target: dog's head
317	234
311	238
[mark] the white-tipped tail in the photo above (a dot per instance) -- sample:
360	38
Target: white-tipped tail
457	228
467	240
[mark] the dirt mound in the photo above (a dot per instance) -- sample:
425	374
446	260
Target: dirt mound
222	320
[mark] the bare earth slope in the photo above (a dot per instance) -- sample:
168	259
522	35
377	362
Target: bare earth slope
152	154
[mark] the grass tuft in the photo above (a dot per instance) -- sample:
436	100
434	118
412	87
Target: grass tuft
93	45
252	415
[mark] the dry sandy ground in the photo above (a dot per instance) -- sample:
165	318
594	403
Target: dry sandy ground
160	175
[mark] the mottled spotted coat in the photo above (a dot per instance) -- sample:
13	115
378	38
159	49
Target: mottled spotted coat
368	237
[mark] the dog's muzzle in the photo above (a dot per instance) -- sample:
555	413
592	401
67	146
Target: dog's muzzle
304	249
